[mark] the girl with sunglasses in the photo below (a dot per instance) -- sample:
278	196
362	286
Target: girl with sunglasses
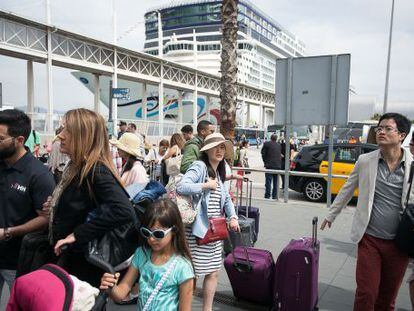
162	265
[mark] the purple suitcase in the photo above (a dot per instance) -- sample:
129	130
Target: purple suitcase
248	210
296	279
251	271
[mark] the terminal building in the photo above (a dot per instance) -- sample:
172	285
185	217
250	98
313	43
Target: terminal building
191	36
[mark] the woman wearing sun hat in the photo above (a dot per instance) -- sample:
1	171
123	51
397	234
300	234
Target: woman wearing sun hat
204	181
129	148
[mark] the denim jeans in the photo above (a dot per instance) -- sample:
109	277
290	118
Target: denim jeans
7	276
268	186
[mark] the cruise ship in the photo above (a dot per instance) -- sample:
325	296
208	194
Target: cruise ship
191	35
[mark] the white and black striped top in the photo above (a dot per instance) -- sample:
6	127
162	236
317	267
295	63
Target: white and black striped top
207	258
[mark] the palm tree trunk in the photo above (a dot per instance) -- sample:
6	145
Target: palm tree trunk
228	92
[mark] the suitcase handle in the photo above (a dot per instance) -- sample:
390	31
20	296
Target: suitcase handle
240	265
315	231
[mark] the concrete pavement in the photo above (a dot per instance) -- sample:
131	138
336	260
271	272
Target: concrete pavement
281	222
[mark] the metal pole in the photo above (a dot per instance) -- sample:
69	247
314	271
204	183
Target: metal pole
288	122
114	118
161	85
387	75
208	100
195	106
1	96
180	107
110	107
49	79
97	93
144	96
30	89
247	124
331	124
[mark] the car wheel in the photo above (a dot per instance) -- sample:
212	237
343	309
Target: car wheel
315	190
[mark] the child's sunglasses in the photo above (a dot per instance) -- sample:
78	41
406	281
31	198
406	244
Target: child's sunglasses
157	234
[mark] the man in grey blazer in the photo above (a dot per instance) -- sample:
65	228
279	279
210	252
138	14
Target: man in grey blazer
382	179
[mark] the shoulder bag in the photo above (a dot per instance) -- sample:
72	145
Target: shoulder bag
217	230
117	244
173	164
404	239
184	203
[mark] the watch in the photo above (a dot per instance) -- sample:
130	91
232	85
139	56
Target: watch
7	234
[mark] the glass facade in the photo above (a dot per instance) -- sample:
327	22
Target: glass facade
209	13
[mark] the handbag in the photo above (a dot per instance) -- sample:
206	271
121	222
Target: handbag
184	203
173	164
404	239
120	243
217	231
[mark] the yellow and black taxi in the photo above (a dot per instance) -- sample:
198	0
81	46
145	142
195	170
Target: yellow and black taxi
315	159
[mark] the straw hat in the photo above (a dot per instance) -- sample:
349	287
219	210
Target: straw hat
130	143
215	139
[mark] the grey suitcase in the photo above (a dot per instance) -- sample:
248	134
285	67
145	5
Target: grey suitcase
247	225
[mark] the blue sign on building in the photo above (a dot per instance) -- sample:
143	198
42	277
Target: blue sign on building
120	93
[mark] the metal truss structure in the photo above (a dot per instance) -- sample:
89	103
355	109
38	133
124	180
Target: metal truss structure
28	39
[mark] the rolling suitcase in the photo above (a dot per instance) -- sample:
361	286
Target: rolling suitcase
247	230
296	274
248	209
251	271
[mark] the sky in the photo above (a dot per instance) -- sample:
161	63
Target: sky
358	27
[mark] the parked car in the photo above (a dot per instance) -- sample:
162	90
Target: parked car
315	159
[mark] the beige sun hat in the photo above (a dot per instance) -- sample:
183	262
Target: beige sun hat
130	143
216	139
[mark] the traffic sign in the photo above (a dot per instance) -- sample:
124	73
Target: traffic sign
120	93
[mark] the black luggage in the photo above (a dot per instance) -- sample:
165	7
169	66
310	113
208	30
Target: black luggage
248	210
35	251
247	237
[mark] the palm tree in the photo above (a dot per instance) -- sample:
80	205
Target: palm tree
228	92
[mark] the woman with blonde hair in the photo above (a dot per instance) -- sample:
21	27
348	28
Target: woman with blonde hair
89	182
177	143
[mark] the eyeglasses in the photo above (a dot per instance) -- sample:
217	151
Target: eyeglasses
3	140
385	129
157	234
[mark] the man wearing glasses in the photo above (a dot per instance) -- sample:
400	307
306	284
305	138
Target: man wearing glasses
382	179
25	184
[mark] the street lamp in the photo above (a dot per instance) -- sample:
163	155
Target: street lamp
387	75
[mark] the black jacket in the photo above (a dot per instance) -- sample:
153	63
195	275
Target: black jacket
271	155
75	203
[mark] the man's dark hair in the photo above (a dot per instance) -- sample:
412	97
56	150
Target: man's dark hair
203	125
17	122
188	129
273	137
133	126
403	124
412	137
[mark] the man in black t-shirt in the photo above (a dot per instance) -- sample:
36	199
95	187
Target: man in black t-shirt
25	184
